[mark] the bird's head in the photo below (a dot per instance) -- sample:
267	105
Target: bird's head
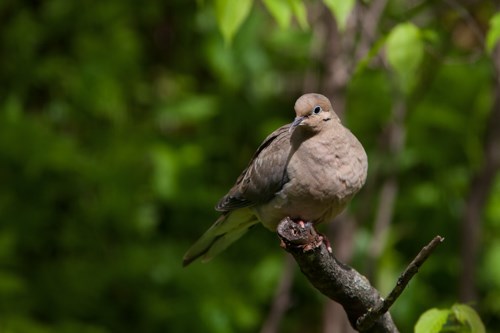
313	112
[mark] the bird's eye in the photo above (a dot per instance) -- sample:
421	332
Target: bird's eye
317	109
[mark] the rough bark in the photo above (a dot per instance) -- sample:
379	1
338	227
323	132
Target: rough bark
366	309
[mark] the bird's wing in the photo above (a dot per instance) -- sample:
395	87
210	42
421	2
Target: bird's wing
264	176
226	230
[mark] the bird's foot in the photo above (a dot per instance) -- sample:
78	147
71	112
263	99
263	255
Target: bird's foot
321	237
301	223
315	238
326	241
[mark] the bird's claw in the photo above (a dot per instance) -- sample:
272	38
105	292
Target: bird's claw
282	244
327	243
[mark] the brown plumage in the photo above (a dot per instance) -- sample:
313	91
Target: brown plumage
307	170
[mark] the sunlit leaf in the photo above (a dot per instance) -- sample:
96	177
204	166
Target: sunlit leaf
490	266
265	276
493	214
165	171
230	15
405	50
300	12
340	9
372	53
187	110
493	33
426	194
280	10
467	315
431	321
429	35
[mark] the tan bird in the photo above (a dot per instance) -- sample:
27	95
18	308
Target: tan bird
307	170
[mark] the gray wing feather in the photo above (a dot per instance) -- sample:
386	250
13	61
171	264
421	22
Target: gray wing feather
264	176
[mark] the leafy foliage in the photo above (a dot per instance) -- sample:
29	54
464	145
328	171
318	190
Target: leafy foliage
405	50
340	10
280	10
493	33
432	321
230	15
460	318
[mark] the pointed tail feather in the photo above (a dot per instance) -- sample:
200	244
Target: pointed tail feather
227	229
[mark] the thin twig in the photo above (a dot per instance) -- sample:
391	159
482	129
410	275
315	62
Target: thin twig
389	190
368	22
371	316
469	19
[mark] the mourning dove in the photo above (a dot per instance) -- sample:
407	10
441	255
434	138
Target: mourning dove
307	170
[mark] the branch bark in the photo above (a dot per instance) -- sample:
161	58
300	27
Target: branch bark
365	308
404	279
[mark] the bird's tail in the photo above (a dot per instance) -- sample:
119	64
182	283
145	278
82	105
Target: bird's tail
227	229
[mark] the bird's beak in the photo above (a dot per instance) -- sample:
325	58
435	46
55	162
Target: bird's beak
296	122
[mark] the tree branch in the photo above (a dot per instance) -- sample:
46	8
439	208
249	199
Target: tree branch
404	279
341	283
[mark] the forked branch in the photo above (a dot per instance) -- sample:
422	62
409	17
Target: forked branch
366	310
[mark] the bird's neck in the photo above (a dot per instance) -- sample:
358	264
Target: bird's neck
329	131
300	135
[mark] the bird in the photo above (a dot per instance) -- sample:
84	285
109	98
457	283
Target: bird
307	170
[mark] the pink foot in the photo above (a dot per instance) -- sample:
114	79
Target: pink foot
326	241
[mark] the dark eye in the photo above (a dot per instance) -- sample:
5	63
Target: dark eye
317	109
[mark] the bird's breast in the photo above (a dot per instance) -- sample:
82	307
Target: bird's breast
323	177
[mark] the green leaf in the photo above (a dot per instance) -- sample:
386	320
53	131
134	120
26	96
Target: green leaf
280	10
372	53
405	50
184	111
429	35
300	12
467	315
265	276
492	254
493	33
165	166
340	9
230	15
431	321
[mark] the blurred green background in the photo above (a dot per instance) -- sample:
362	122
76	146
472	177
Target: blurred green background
123	122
